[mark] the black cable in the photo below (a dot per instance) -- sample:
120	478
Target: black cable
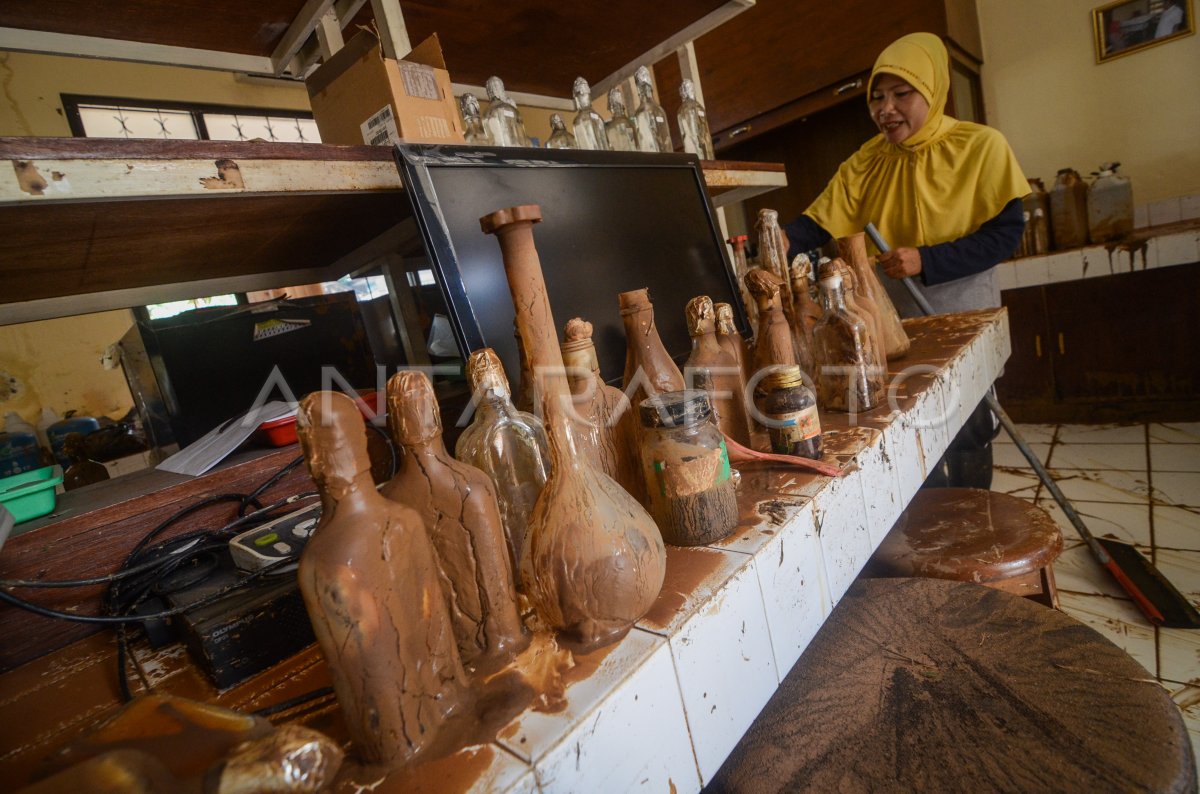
291	703
279	475
122	619
107	578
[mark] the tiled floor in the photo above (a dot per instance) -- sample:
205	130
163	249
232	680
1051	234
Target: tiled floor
1140	484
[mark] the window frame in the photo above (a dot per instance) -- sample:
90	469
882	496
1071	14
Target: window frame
71	103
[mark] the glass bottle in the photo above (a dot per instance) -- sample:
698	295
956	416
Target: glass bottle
503	120
862	306
806	312
740	268
711	368
853	249
602	408
594	561
473	129
848	380
560	136
653	133
1068	210
693	123
731	340
588	125
649	369
772	254
1037	204
773	344
790	414
507	445
458	505
693	496
372	589
620	130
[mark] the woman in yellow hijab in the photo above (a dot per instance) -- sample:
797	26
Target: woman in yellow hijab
944	193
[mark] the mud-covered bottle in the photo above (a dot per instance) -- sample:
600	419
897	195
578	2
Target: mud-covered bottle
790	414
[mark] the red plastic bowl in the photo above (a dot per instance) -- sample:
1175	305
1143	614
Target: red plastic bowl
278	432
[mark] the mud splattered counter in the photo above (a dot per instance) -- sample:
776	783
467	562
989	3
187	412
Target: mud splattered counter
662	708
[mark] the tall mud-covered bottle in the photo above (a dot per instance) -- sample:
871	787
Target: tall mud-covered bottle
603	408
740	268
649	368
371	585
772	255
594	561
731	340
458	505
507	445
711	368
773	344
853	250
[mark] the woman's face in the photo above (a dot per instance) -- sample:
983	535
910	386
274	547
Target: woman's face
897	108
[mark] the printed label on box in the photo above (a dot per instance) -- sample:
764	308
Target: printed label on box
433	127
380	129
420	81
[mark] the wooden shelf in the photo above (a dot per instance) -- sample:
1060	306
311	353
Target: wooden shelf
91	225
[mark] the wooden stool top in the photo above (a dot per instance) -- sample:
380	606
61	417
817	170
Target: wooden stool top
931	685
970	535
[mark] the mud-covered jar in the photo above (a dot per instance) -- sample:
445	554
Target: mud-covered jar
790	414
692	491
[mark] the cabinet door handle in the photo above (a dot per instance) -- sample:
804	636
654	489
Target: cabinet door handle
739	131
1037	344
1062	348
850	86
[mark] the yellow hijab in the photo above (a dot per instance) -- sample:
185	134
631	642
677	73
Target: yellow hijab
942	183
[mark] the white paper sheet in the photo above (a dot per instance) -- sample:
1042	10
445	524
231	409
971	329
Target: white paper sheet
209	450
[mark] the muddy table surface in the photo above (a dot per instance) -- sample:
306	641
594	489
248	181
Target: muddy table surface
931	685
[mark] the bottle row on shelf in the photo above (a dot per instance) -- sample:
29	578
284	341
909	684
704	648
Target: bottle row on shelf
647	130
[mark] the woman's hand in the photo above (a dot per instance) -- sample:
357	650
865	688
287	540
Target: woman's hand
901	262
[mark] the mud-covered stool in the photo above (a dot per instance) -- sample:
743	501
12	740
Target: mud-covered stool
931	685
973	535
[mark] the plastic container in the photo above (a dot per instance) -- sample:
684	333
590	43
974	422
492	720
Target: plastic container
19	453
1109	205
29	495
278	432
1068	210
57	434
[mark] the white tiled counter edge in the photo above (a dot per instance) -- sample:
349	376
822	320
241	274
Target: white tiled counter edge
1165	250
667	705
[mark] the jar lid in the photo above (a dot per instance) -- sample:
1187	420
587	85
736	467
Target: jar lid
675	409
785	377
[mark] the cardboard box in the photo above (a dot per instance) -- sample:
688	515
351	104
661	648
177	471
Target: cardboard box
359	96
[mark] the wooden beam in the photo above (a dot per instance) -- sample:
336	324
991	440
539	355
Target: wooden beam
689	69
138	52
690	33
329	34
393	33
522	99
298	32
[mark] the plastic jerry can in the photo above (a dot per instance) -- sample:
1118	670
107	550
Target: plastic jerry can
1109	205
1068	210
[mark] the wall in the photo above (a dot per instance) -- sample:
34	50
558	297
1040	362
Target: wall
1059	108
56	363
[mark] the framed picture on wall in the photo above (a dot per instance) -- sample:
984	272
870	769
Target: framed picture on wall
1128	26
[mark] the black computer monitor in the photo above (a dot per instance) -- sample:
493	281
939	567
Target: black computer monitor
612	222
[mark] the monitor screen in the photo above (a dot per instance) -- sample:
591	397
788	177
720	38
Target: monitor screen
612	222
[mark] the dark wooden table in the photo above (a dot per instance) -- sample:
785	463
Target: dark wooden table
930	685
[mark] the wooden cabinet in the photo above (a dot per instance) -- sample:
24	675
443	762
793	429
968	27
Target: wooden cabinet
1119	348
780	60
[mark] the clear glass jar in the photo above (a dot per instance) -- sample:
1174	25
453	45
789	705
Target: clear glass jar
653	133
620	131
502	120
790	411
473	129
588	125
692	492
560	136
693	123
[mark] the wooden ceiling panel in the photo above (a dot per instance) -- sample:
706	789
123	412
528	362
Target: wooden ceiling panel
536	46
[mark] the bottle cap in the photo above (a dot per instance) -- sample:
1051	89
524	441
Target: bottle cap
675	409
784	377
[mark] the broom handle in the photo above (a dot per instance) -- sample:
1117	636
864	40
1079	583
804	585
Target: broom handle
1008	425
